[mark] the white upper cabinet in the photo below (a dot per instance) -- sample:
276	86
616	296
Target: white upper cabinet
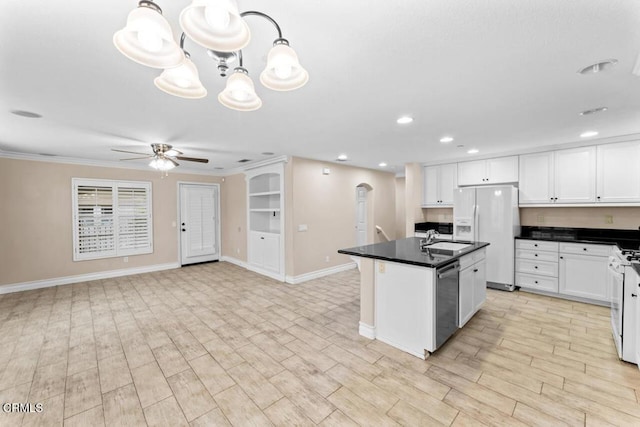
439	183
564	176
575	173
491	171
618	173
536	178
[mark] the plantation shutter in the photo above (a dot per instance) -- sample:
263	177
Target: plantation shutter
111	218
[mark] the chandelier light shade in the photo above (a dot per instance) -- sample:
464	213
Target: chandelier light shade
147	38
240	94
162	164
216	25
182	81
283	71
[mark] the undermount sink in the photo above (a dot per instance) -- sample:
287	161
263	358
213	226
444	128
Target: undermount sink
446	248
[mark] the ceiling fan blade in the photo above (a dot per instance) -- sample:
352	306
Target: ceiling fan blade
129	152
192	159
138	158
173	152
172	161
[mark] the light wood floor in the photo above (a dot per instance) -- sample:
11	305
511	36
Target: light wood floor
214	344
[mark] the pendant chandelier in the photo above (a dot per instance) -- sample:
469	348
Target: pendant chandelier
219	27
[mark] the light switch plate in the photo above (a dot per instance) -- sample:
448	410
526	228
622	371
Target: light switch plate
302	227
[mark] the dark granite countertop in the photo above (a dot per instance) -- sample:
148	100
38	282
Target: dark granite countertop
625	239
407	251
440	227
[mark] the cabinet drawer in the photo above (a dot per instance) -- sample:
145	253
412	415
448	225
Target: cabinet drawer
549	284
537	245
537	255
472	258
586	249
537	267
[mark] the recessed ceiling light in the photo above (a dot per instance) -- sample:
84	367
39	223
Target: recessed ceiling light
473	151
27	114
598	66
404	120
382	164
460	146
342	158
588	134
593	111
446	139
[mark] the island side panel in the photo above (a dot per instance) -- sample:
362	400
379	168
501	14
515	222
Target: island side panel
405	306
367	299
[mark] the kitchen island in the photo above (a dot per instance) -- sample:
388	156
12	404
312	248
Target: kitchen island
414	297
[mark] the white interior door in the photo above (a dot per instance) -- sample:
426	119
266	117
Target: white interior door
199	223
361	216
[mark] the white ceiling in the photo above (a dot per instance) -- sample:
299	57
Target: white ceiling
498	75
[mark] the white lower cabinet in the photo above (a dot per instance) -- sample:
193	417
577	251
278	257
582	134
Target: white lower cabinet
537	265
566	269
584	276
472	285
264	251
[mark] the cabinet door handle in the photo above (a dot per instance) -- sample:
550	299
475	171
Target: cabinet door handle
584	249
535	266
262	238
634	295
598	197
475	270
535	244
561	257
535	254
551	198
536	282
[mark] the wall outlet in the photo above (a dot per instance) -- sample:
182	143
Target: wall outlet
173	224
326	259
608	219
302	227
125	259
381	267
540	219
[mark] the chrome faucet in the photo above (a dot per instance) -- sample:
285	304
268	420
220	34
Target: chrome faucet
431	235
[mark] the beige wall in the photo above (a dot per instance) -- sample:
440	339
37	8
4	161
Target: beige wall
326	204
438	214
233	206
36	239
596	217
582	217
401	220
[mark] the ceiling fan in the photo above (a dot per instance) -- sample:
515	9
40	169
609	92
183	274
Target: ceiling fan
164	157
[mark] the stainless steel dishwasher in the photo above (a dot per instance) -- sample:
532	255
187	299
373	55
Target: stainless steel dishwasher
446	301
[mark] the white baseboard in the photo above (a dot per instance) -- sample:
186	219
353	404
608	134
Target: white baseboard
367	331
46	283
250	267
234	261
294	280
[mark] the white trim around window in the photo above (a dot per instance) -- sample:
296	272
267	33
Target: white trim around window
111	218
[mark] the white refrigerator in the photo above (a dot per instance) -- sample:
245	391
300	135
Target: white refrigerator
490	214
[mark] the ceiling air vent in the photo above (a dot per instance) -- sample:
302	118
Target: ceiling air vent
244	161
598	66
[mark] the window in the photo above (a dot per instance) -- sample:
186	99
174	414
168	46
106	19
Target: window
111	218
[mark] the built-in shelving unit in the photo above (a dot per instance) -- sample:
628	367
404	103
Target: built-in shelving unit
265	220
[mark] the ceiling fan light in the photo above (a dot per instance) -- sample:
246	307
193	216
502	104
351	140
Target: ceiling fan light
161	164
147	39
283	71
182	81
239	93
215	24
